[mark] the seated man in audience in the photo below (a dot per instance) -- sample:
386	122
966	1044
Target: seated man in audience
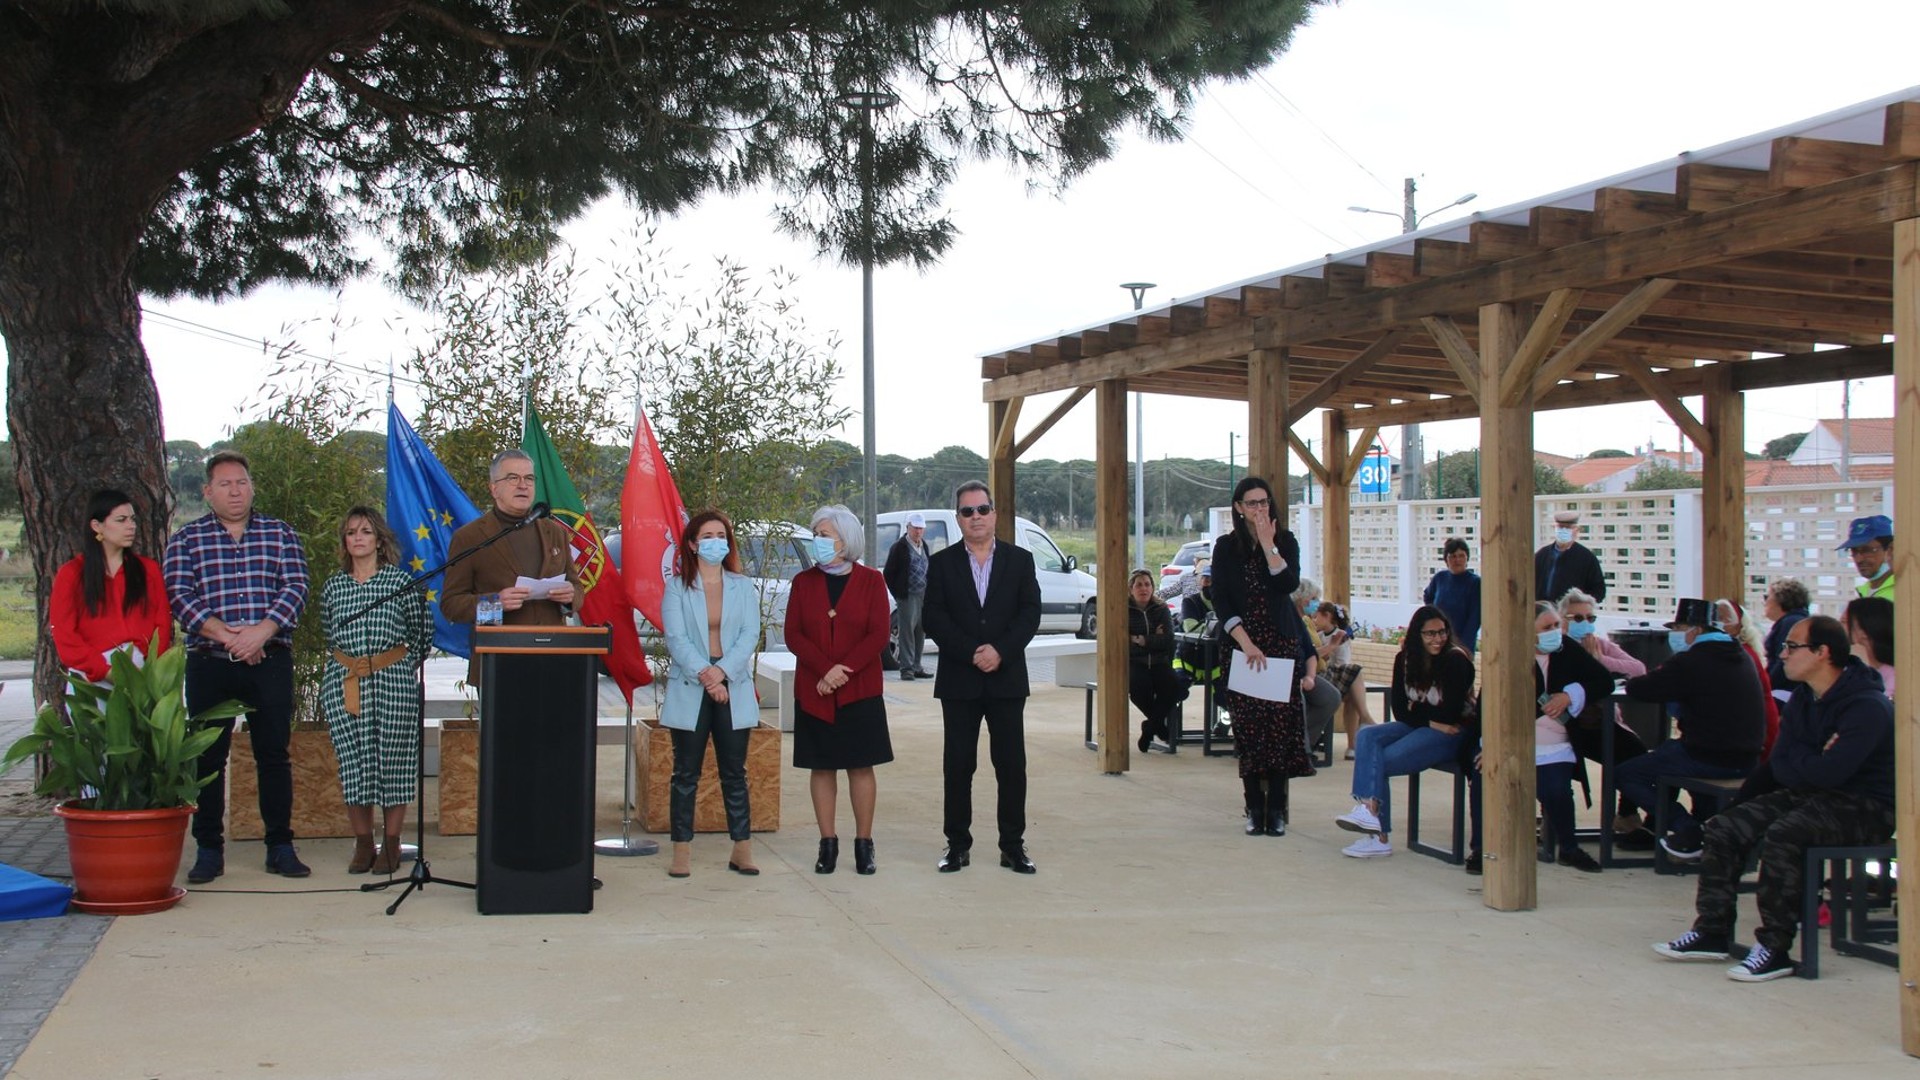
1721	717
1829	783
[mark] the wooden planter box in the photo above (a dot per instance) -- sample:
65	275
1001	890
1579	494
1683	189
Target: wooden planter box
319	809
459	777
653	761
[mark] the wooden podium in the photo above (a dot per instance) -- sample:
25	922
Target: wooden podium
539	697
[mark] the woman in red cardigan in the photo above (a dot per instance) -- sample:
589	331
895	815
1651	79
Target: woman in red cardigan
837	627
108	597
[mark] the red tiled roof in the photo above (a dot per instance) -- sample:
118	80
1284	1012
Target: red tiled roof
1556	461
1593	470
1870	435
1781	473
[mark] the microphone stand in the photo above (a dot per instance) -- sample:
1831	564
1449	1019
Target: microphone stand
422	875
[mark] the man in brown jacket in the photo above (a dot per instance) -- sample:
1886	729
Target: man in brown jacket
539	549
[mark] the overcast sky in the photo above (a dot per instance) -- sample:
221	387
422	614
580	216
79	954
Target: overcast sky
1507	99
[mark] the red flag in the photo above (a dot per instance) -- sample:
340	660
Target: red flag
652	516
604	598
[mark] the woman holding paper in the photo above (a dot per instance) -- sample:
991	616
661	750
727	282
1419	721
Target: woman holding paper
1432	680
1256	568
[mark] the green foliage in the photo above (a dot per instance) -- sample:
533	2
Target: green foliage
133	742
1782	448
463	135
1608	454
1548	481
308	470
1457	476
1660	477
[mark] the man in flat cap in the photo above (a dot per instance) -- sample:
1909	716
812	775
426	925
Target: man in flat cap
906	577
1720	712
1870	542
1566	563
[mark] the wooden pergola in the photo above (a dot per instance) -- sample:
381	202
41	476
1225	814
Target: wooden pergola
1704	276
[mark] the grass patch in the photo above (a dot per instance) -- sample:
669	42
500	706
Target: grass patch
19	621
1079	543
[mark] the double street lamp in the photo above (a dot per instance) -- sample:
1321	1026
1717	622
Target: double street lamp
866	103
1139	291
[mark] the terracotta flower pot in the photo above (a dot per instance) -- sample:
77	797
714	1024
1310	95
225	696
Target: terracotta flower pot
124	861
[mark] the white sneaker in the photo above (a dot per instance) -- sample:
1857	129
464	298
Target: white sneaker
1358	819
1368	847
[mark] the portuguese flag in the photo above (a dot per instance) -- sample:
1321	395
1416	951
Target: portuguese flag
606	596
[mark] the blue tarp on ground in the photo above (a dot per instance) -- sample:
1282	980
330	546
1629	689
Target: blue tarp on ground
30	896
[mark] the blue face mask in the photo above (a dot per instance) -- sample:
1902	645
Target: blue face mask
713	549
1882	572
1563	536
1677	640
1313	606
825	549
1548	641
1579	631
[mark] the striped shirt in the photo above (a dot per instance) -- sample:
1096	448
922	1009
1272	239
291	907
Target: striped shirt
209	574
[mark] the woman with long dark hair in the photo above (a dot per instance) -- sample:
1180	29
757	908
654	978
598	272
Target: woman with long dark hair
1870	628
1432	678
712	616
1256	568
1151	683
370	691
108	598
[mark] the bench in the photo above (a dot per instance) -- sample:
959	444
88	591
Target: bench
1175	722
1857	892
1075	660
773	679
1665	788
1457	854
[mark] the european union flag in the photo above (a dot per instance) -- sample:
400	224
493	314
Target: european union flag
425	506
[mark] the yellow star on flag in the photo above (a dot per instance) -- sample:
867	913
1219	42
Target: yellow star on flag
446	518
418	564
421	532
432	596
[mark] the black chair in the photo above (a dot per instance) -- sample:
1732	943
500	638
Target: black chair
1860	903
1457	854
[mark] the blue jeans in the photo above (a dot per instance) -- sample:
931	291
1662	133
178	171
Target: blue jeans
1553	786
1670	758
1395	749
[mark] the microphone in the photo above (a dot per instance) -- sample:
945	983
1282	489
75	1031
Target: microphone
539	510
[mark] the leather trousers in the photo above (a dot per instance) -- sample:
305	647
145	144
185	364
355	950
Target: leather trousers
730	761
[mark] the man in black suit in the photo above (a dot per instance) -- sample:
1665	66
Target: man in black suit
983	607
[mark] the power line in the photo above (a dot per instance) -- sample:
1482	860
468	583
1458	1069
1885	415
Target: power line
238	340
1257	190
1287	103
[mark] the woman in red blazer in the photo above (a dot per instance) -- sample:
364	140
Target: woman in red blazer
108	597
837	627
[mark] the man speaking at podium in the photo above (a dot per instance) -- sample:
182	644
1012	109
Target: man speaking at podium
539	549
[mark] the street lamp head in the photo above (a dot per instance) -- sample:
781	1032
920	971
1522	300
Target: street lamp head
868	100
1139	291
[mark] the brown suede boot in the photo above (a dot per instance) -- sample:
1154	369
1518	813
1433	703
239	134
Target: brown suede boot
741	862
362	855
389	859
682	860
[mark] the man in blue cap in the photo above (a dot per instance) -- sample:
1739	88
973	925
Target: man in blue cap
1870	542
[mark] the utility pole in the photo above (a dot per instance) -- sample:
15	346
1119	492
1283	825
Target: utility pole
1139	291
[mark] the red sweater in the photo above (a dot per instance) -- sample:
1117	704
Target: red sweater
853	637
80	637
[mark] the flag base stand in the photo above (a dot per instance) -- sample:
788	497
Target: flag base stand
624	844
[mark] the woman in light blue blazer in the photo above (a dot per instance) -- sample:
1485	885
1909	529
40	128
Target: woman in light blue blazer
712	616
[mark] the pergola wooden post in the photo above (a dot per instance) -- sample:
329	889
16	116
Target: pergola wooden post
1906	612
1001	417
1336	552
1110	536
1723	495
1507	706
1267	422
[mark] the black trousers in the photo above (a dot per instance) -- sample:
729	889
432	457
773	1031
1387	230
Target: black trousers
1154	691
730	761
266	689
1007	749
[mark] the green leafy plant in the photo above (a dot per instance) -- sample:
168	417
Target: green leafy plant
132	743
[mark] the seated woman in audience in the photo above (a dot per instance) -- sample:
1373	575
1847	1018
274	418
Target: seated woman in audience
1150	678
1870	628
1787	604
1322	700
1735	624
1432	683
1580	624
1337	667
1566	679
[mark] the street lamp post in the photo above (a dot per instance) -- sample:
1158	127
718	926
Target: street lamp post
866	103
1139	291
1412	454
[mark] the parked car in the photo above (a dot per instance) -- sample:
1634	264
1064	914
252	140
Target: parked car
1173	576
771	554
1066	594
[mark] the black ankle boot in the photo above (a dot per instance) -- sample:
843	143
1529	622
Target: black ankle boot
1277	807
829	855
1256	807
863	856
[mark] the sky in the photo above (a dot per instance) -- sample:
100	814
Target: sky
1504	99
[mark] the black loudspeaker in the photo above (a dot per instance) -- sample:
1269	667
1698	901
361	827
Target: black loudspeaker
538	715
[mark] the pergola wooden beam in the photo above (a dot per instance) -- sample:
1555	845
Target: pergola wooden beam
1460	355
1671	404
1906	610
1046	423
1312	463
1599	332
1003	430
1356	456
1354	368
1541	335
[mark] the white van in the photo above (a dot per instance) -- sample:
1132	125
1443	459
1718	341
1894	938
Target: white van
1066	594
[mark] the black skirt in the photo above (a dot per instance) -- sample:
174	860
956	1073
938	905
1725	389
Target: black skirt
857	738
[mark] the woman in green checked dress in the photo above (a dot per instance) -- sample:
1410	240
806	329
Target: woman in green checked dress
370	692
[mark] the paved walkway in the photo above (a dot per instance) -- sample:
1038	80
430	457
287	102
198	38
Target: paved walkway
1155	941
